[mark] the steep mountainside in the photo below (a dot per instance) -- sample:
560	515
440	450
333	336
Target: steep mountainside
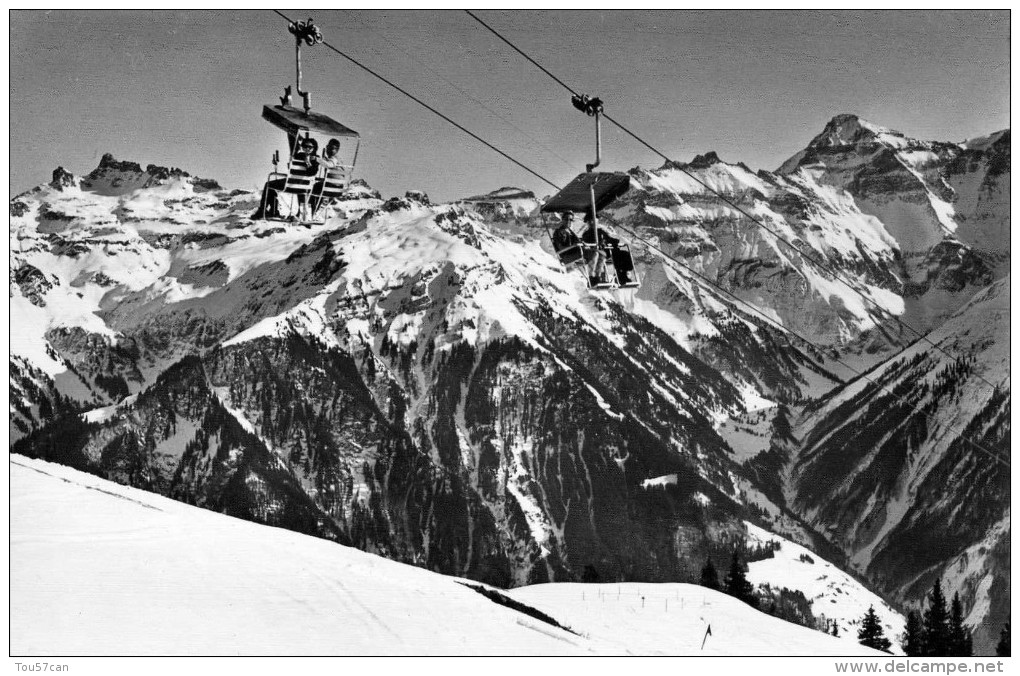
902	469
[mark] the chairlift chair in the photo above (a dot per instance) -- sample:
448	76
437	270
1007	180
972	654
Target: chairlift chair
299	124
588	194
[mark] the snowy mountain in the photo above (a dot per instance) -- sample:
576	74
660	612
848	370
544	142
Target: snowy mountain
945	204
425	382
917	227
902	468
103	569
505	205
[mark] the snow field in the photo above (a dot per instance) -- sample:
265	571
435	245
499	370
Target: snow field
636	618
102	569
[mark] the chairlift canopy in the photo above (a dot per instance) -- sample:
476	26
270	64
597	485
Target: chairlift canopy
294	120
576	196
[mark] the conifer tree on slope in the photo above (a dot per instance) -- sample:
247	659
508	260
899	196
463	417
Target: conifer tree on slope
913	637
960	644
709	576
1002	648
737	584
871	633
936	624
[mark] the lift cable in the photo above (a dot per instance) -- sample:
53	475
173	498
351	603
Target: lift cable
425	105
481	103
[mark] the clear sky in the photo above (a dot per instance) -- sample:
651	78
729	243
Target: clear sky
186	88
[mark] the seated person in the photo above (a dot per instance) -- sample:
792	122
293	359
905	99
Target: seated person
568	248
606	239
303	163
622	261
566	242
593	256
331	163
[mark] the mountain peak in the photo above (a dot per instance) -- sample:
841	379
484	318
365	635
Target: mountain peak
62	179
706	160
108	161
703	161
121	176
844	132
508	192
847	129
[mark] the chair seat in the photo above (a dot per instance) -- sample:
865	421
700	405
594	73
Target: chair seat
570	255
298	184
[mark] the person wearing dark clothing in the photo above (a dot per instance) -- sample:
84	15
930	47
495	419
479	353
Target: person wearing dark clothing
303	163
622	261
566	242
571	249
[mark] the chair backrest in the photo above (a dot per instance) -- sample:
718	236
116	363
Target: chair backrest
335	182
297	180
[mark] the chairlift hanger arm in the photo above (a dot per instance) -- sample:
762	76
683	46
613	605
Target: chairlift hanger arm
591	106
309	33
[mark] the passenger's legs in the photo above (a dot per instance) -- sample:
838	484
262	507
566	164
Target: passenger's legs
598	272
268	206
623	262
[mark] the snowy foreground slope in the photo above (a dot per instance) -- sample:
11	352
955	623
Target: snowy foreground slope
672	619
100	568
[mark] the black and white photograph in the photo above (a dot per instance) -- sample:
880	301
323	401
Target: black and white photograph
347	333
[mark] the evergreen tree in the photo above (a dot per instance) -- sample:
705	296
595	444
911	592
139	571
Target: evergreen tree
913	638
936	624
736	584
1002	648
959	635
835	628
871	633
709	576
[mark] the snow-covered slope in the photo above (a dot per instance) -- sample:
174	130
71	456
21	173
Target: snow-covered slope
835	597
672	619
103	569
